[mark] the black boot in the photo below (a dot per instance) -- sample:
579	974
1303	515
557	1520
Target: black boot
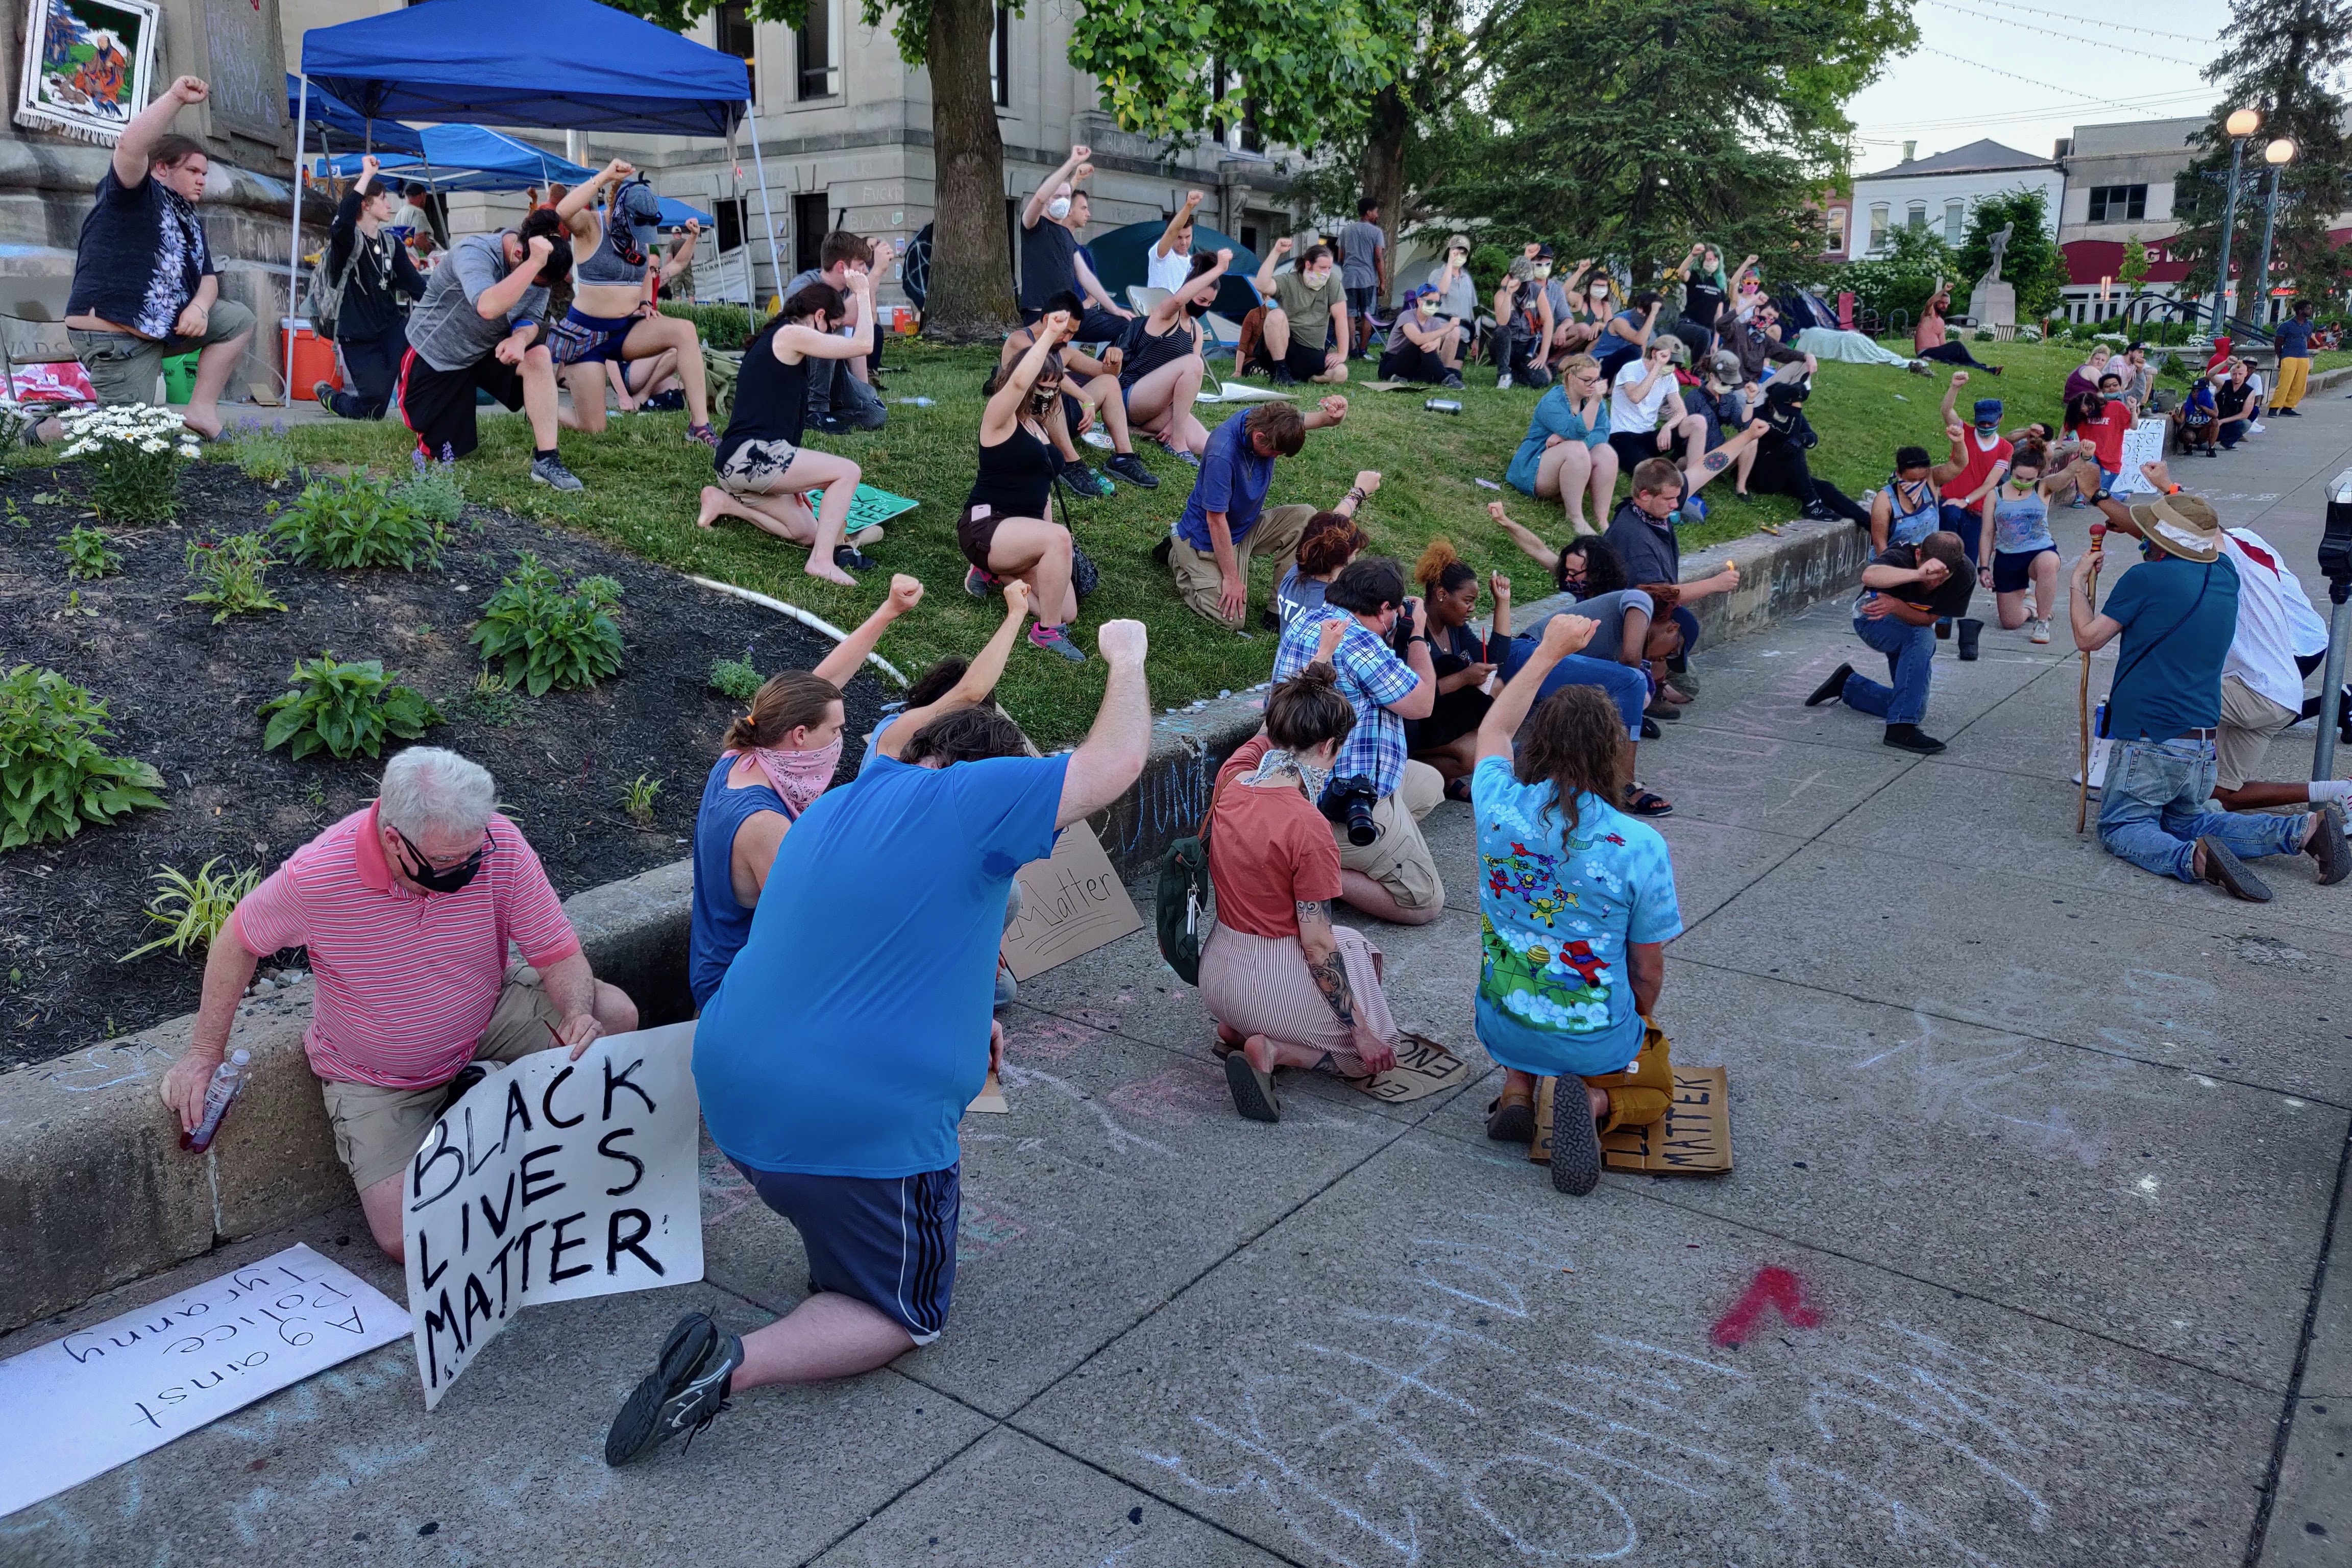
1969	632
1907	738
1834	686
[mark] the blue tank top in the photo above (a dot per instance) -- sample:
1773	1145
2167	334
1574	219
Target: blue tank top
720	925
2021	523
1911	526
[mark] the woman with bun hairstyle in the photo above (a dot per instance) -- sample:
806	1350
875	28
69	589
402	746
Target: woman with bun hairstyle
1287	987
1448	739
1330	542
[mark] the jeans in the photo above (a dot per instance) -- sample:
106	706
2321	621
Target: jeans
1909	652
1623	684
2157	802
374	364
834	393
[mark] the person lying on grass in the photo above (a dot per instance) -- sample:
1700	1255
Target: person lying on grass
776	759
764	472
1578	901
1006	529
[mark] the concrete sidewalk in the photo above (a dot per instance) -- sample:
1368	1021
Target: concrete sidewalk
2054	1148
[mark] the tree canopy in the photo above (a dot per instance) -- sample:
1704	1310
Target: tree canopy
2033	263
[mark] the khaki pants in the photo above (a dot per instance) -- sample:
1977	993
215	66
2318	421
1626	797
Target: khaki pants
2293	378
123	366
378	1130
1398	860
2249	722
1278	531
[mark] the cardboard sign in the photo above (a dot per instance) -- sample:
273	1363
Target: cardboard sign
1073	903
550	1181
2143	443
1423	1068
102	1396
1695	1139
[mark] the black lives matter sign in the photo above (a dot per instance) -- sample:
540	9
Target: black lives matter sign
549	1181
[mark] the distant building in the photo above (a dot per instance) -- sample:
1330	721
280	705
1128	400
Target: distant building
1934	193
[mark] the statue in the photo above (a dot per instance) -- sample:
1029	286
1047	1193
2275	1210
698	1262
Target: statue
1993	303
1999	249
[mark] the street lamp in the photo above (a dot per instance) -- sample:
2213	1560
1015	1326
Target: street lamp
2278	155
2241	123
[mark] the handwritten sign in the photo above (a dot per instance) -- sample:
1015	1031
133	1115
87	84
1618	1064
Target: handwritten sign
550	1181
1073	903
2143	443
242	67
102	1396
1695	1139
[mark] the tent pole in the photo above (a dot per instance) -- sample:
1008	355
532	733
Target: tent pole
766	211
294	242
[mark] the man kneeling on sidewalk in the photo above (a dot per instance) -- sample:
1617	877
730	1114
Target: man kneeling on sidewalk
406	909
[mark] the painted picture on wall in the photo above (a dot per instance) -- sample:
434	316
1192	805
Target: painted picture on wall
89	65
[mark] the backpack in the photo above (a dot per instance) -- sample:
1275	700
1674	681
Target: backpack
322	300
1182	900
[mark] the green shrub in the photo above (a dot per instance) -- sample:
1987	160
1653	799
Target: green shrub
490	701
735	679
345	709
432	491
637	797
137	450
263	455
727	327
356	522
192	910
230	575
87	556
54	774
545	635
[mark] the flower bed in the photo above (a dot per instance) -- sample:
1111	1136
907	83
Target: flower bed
184	696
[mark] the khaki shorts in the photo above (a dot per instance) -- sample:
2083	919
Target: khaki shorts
378	1130
1398	860
2249	721
123	366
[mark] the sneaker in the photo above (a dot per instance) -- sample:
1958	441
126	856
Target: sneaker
1081	481
1282	377
980	585
686	1391
1575	1139
1907	738
704	434
1269	619
1452	381
671	402
323	393
1130	467
849	558
2227	872
1502	381
551	472
1832	688
1056	639
2327	846
2037	629
1189	460
1694	510
1650	730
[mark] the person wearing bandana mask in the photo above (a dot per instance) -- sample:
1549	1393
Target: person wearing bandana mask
776	760
145	287
1307	324
1092	394
1005	530
1288	986
405	908
615	284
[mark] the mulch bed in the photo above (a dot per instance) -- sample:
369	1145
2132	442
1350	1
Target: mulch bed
183	695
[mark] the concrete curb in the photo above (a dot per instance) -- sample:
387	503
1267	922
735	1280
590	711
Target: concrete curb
95	1191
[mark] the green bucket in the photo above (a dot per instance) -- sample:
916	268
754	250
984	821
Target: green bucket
180	378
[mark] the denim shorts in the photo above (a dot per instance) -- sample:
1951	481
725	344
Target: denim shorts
888	1241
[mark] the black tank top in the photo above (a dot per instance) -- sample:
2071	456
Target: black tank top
1016	476
771	397
1146	354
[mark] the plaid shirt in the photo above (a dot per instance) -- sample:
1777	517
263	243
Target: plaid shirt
1370	678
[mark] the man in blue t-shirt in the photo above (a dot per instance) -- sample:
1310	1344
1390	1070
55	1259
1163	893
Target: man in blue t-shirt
1225	520
838	1055
2177	611
2293	342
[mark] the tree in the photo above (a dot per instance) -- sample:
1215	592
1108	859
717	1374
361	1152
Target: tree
1890	287
2033	263
1630	128
2278	57
2134	270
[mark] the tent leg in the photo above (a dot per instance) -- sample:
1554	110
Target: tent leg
294	242
766	211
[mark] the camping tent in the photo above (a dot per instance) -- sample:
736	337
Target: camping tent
1119	263
325	112
558	64
474	158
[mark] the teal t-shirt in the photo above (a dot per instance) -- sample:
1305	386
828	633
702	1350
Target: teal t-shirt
852	1027
2179	618
1559	908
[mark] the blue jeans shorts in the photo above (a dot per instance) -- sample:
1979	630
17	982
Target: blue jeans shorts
888	1241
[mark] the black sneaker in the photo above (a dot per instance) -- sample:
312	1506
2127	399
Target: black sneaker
1575	1139
1282	376
1269	620
1831	688
686	1391
849	558
1452	381
1083	482
323	393
1162	551
1650	730
551	472
1907	738
2327	846
1130	467
2227	872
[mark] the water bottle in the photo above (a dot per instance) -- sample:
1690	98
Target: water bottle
228	1081
1443	406
913	402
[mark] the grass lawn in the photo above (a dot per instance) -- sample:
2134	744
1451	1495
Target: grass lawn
642	479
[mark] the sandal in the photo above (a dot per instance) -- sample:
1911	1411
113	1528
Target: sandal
1576	1142
1640	802
1457	789
1252	1090
1511	1117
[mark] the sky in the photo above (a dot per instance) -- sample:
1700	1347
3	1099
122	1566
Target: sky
2026	72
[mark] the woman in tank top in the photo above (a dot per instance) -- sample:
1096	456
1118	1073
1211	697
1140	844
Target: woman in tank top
1909	509
2016	547
763	471
1164	364
612	315
1006	529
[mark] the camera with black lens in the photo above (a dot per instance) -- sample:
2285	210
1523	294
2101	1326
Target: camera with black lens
1351	800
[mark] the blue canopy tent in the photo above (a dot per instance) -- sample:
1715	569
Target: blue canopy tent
327	112
474	158
675	212
561	64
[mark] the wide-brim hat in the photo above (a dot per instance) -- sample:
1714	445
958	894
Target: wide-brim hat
2182	525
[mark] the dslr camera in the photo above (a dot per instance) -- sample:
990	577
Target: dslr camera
1351	800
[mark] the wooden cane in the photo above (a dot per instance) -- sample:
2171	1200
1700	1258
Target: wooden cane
2082	693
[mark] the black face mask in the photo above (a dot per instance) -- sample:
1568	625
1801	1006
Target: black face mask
437	880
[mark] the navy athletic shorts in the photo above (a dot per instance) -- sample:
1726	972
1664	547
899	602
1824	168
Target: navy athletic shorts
889	1241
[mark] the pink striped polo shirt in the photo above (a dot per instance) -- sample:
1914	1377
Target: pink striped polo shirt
406	981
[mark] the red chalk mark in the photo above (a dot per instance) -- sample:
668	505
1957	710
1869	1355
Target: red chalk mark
1772	1287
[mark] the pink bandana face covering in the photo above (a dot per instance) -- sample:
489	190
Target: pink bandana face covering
799	776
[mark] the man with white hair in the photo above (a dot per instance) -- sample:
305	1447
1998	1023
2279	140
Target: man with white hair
406	908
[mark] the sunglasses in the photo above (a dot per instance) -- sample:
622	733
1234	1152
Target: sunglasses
469	865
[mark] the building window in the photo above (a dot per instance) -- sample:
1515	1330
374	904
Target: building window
732	213
808	225
1916	218
1249	238
1955	214
734	19
1878	219
1000	59
2119	203
818	76
1837	231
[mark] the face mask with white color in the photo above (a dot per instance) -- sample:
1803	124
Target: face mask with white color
1058	208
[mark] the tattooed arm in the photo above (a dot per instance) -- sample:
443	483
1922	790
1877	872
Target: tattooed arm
1329	971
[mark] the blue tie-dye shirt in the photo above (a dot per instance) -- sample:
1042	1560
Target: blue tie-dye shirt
1554	995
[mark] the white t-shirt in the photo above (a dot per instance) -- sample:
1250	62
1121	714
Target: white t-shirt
1171	271
1638	419
2261	653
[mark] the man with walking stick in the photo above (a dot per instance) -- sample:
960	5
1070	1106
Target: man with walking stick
2177	611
